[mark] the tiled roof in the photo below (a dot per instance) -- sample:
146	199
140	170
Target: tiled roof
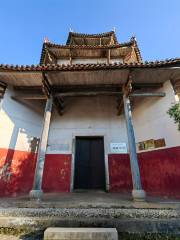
125	44
78	67
83	35
132	42
136	48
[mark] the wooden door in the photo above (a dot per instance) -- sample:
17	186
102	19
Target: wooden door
89	163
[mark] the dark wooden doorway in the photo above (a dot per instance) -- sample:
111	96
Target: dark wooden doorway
89	163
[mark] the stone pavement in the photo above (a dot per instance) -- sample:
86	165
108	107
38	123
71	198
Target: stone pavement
90	199
8	237
92	209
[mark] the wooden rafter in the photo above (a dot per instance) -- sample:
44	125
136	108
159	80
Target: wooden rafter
94	87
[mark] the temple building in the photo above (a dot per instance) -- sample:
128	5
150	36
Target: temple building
91	116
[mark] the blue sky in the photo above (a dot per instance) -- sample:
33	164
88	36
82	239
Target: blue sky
25	23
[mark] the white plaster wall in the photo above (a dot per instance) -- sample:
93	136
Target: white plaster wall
86	116
97	116
63	61
89	60
151	120
18	124
116	60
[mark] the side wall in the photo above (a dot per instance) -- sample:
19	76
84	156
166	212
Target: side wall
20	130
159	168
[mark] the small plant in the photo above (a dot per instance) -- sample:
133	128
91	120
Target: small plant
174	112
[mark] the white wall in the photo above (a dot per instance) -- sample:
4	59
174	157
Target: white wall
89	60
151	120
18	124
97	116
86	116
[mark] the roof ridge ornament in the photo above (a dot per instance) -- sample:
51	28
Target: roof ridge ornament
71	30
46	40
133	38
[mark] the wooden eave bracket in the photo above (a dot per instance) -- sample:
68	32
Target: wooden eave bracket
3	87
126	89
47	89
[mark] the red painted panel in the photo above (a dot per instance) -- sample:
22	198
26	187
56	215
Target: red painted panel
160	172
57	173
16	171
159	169
119	173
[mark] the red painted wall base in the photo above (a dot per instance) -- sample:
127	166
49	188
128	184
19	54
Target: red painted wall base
57	173
160	172
159	169
17	172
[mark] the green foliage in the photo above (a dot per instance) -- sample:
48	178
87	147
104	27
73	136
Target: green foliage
174	112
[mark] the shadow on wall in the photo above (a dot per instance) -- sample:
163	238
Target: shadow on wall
18	177
18	159
17	167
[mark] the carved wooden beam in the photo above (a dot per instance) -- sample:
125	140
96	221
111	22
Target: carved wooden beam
90	93
30	96
56	101
126	89
148	94
46	87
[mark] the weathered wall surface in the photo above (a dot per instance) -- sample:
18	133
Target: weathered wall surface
20	128
159	169
151	120
160	172
57	173
88	116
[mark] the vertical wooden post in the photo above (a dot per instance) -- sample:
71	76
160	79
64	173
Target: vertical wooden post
108	56
37	192
138	193
70	57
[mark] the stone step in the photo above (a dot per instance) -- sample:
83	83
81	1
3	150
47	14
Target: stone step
80	234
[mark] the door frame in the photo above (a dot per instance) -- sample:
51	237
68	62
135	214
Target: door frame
104	137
